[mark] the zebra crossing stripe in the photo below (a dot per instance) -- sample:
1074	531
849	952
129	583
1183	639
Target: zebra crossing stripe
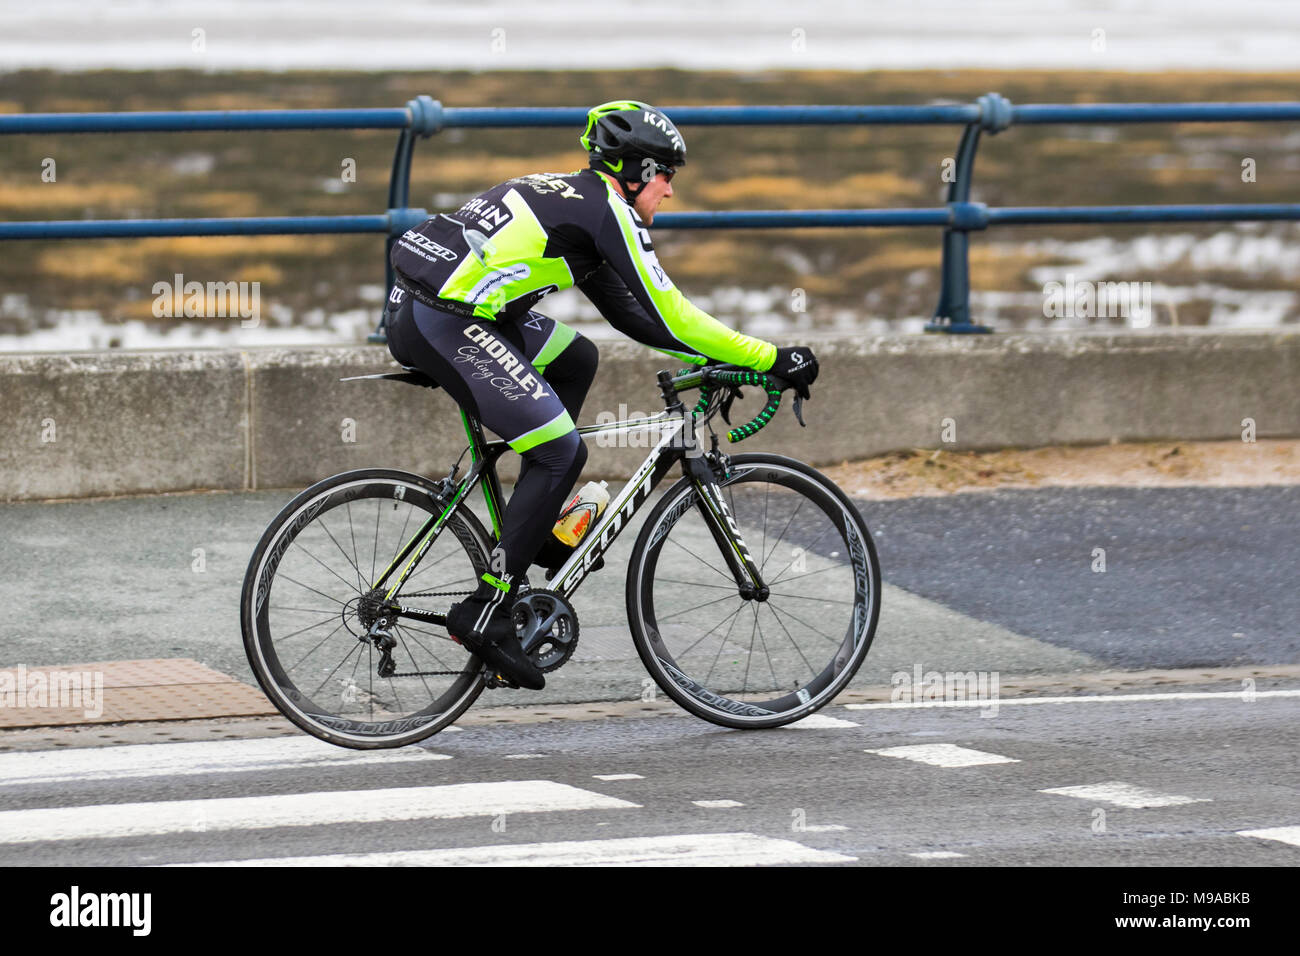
820	722
1081	699
704	849
944	755
298	810
182	759
1282	834
1121	794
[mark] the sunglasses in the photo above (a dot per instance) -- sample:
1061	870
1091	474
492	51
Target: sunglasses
668	171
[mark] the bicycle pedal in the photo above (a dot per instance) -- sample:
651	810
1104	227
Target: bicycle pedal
492	680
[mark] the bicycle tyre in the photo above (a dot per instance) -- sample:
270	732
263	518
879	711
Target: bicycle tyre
848	558
409	709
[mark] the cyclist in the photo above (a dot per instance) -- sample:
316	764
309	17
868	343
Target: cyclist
461	312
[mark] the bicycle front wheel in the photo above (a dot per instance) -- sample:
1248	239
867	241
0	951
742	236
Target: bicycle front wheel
308	604
744	662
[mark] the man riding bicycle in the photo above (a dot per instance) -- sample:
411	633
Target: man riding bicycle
461	312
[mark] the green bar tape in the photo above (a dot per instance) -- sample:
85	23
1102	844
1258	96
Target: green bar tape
495	582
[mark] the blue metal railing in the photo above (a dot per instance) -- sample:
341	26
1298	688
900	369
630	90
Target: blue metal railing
424	116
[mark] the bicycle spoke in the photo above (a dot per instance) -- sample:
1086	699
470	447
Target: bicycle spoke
420	630
806	548
336	666
420	569
352	678
697	584
328	597
776	684
744	687
298	662
437	660
804	597
401	535
782	534
374	553
836	641
721	644
285	637
361	589
833	567
364	585
711	630
397	698
323	564
795	644
696	608
699	559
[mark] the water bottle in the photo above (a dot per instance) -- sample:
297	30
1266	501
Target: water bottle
581	512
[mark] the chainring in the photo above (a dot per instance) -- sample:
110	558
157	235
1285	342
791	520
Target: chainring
548	628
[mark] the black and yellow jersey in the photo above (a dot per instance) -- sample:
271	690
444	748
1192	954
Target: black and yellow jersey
508	247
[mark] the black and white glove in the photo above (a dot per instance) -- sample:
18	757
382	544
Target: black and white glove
798	366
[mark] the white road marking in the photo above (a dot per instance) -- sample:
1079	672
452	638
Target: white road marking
706	849
298	809
618	776
943	755
1284	834
716	804
938	855
207	756
1122	794
821	828
1092	699
819	722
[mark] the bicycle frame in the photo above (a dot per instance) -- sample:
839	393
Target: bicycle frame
679	442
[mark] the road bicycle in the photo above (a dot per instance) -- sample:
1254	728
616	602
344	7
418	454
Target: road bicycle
753	589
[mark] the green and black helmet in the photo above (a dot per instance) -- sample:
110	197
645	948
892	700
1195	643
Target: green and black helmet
627	139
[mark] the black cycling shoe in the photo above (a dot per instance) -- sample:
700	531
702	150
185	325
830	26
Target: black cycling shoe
497	644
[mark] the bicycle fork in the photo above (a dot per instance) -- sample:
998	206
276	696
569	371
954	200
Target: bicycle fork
712	505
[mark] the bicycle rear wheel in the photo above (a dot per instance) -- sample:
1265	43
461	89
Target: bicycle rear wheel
750	663
307	606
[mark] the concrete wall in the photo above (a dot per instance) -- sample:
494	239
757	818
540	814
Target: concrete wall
108	423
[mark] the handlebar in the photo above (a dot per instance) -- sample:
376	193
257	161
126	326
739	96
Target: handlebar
708	378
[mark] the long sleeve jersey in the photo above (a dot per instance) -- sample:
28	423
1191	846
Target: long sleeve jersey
507	248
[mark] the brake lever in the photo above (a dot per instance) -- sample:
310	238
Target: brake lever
798	410
724	406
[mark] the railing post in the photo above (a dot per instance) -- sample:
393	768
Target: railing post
952	314
426	119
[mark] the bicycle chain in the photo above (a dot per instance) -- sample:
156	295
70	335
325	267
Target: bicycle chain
432	673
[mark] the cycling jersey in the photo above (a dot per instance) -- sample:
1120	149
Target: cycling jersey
505	249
